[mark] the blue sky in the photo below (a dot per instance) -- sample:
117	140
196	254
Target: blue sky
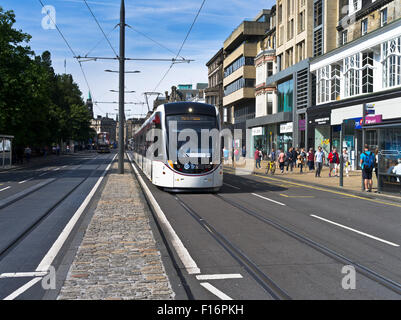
166	21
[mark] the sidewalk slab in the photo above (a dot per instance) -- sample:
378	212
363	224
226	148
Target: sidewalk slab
118	257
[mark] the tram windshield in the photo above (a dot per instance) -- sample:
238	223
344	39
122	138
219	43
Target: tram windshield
178	123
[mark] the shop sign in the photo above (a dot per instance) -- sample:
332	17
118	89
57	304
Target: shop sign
302	124
368	120
325	120
286	127
257	131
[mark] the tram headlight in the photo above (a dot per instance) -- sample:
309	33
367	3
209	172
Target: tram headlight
170	163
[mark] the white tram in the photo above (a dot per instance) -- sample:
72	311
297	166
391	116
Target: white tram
172	175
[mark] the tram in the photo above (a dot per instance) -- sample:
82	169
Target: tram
173	166
103	142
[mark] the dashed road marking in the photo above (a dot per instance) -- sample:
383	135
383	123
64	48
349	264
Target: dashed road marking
356	231
268	199
5	188
219	276
215	291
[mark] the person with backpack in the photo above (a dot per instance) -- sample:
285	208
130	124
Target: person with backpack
367	164
257	158
334	161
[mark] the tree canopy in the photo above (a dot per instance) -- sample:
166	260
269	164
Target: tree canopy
37	106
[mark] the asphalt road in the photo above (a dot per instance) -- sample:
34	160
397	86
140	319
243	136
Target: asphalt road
264	238
36	204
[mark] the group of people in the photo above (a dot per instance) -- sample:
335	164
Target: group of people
299	158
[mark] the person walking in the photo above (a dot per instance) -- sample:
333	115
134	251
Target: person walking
334	161
243	151
236	154
346	163
281	161
367	165
319	161
257	158
311	159
301	160
28	152
289	160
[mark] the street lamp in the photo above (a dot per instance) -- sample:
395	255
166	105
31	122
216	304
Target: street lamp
124	91
136	71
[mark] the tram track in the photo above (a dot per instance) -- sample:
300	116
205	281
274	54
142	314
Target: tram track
253	270
4	203
5	249
367	272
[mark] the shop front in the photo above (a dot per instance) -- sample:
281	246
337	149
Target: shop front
284	138
389	167
319	132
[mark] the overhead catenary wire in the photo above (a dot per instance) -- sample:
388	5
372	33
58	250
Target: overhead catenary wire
182	45
97	44
72	51
100	27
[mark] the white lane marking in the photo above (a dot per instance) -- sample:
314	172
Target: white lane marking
219	276
215	291
56	169
189	263
21	290
25	180
5	188
54	250
356	231
23	274
231	186
281	204
44	173
46	262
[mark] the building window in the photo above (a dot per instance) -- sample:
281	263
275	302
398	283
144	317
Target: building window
318	13
317	42
364	26
301	51
301	22
285	92
239	84
269	66
280	13
383	17
344	37
289	58
391	61
323	84
290	29
240	62
351	75
335	81
367	72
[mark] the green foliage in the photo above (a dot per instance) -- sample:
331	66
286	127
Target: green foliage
37	106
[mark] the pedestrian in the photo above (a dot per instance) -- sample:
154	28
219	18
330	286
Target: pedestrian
289	160
319	161
257	158
377	163
397	170
68	148
58	150
281	161
346	163
226	154
244	151
273	155
236	154
301	160
367	165
311	159
334	161
295	154
28	152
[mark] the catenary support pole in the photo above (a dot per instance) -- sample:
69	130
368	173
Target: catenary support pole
121	144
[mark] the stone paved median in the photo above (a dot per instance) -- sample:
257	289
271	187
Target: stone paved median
118	257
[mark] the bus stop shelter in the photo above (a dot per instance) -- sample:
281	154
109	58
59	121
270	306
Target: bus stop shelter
5	151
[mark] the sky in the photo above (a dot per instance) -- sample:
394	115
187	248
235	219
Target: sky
165	21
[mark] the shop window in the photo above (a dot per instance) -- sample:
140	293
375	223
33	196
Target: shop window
285	92
351	75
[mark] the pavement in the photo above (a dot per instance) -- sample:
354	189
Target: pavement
351	183
118	257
